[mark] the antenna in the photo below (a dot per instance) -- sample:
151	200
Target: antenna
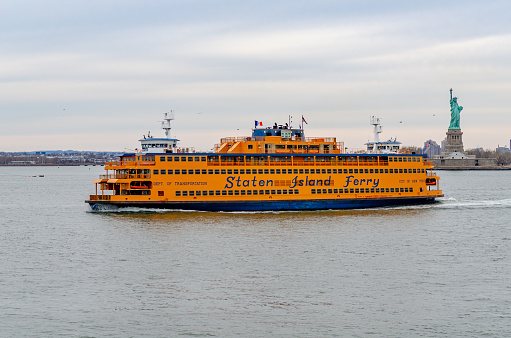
165	124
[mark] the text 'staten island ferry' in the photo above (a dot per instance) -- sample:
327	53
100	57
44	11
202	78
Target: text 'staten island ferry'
277	168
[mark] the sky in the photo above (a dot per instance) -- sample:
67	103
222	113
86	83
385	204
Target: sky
98	75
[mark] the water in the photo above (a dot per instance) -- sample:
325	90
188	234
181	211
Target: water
434	270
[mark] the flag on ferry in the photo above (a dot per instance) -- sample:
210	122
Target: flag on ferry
258	123
303	120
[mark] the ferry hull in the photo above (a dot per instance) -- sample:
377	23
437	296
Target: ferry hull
267	205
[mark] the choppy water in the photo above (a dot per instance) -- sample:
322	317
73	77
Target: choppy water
435	270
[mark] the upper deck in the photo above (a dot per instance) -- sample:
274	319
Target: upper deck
279	139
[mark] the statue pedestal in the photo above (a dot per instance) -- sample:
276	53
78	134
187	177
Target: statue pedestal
454	141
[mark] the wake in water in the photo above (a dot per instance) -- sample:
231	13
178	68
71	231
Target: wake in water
452	203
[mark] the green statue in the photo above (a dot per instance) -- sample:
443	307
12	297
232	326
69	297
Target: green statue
455	113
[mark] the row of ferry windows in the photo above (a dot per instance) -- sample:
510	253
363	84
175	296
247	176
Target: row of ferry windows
277	159
360	191
237	192
283	171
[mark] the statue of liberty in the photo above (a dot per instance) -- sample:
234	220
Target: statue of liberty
455	113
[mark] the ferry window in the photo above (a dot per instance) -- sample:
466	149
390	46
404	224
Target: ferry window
254	192
324	191
414	171
183	172
313	191
183	158
367	190
350	171
381	171
163	172
210	171
176	159
185	193
352	191
279	192
345	191
224	192
217	171
230	192
290	191
162	158
390	171
328	171
401	190
367	171
198	193
223	171
306	171
177	172
371	171
250	147
266	192
296	191
229	171
391	189
236	192
178	193
329	191
356	171
169	158
243	192
204	171
155	171
422	171
242	171
377	190
248	171
390	159
235	171
190	159
272	171
261	192
266	171
277	171
196	159
335	171
405	171
217	192
386	189
295	171
356	191
400	171
406	189
197	171
411	189
211	193
203	158
170	171
260	171
273	192
191	193
249	192
335	191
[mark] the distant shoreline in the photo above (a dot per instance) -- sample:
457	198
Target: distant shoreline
473	168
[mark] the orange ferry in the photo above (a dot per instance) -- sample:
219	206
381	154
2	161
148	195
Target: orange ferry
277	168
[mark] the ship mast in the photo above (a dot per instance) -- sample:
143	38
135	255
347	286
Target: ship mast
375	121
165	124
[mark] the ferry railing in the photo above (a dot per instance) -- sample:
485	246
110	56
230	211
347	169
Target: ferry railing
99	197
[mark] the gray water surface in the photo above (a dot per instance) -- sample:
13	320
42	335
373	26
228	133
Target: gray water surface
435	270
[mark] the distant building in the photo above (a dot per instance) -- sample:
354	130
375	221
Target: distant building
503	150
431	148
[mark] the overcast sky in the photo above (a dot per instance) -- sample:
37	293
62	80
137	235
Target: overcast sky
97	75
